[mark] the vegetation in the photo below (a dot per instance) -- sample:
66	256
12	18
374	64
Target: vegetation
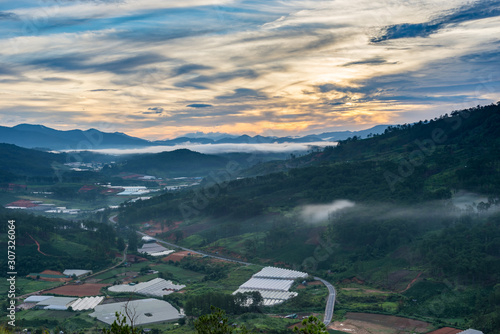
311	325
402	231
403	184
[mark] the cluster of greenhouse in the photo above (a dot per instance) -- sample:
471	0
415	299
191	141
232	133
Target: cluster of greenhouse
273	272
154	249
267	284
87	303
141	312
273	284
157	287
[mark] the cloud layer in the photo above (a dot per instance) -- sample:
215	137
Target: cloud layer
158	69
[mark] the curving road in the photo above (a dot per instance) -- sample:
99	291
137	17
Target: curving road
330	303
196	252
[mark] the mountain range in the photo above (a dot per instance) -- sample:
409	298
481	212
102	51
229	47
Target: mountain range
39	136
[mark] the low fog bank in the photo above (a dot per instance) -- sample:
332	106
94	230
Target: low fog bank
317	213
222	148
461	204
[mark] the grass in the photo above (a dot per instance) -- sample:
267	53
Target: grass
258	323
110	274
193	241
71	321
181	275
66	246
27	285
391	307
231	283
44	314
7	197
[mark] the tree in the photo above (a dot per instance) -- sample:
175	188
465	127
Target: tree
311	325
133	241
214	323
120	244
120	326
178	235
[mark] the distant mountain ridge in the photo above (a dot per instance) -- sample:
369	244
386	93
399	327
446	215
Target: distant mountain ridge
39	136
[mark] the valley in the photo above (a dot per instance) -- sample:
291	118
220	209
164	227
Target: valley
404	224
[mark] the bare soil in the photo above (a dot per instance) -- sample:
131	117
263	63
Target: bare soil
367	323
78	290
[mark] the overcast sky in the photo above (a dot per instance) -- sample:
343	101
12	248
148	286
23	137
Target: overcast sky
158	69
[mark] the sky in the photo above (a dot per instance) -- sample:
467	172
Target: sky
159	69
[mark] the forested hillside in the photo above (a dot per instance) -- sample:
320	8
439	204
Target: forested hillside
63	244
176	163
403	219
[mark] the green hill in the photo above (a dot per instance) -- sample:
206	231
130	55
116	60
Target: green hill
16	161
176	163
402	221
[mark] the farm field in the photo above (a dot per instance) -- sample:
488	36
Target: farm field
81	290
367	323
29	286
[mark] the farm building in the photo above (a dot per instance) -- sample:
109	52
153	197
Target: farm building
50	276
270	297
154	249
64	303
87	303
145	311
157	287
55	303
471	331
267	284
273	272
147	239
273	284
36	299
77	272
134	190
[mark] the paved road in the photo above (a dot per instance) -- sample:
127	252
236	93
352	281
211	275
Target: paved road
330	304
331	296
197	252
113	220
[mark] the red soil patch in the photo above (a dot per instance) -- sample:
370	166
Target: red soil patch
82	290
224	252
399	280
87	188
366	323
301	286
446	330
412	282
22	203
178	256
39	251
62	278
365	290
52	272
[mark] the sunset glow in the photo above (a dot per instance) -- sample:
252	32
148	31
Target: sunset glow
159	69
